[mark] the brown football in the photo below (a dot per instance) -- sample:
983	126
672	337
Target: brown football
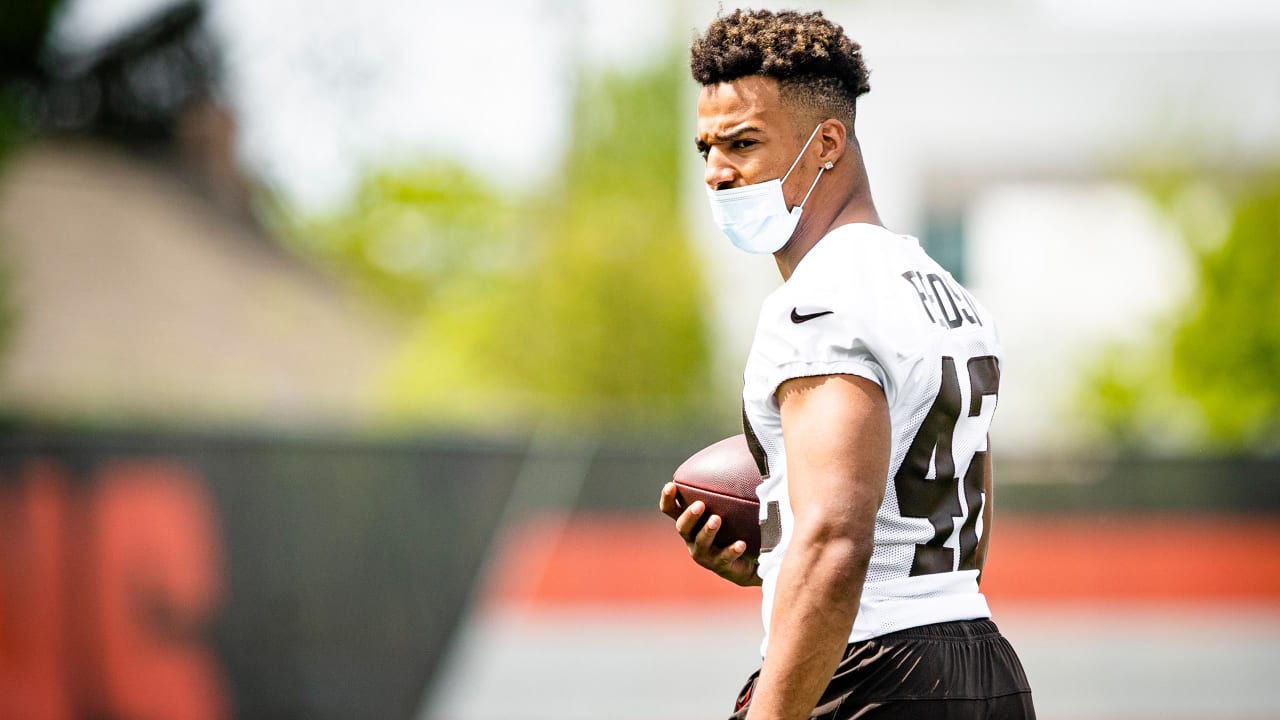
724	476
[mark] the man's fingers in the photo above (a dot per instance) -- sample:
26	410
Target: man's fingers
688	521
698	530
728	562
668	502
707	535
726	556
665	499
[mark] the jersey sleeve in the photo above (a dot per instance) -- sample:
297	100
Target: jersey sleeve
819	329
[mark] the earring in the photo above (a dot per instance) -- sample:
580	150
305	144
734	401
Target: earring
829	165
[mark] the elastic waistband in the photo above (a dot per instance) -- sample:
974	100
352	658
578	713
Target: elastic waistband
959	629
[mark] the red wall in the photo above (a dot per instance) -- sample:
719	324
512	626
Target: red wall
628	559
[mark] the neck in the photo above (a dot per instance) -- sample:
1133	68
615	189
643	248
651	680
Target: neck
848	198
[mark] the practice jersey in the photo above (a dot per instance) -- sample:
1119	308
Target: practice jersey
867	302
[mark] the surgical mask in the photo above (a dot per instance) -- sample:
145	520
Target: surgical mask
755	217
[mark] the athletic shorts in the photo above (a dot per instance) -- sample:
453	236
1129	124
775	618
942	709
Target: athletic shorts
949	671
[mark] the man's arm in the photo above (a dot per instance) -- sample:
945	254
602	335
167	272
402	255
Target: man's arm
837	434
987	512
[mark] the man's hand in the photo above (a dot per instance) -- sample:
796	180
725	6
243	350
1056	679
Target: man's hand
729	563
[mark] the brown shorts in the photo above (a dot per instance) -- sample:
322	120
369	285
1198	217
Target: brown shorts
953	671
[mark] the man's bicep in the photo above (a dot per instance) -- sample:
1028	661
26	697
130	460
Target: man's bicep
837	435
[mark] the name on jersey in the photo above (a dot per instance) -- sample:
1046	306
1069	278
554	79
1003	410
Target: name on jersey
944	301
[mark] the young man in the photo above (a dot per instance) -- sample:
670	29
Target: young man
869	391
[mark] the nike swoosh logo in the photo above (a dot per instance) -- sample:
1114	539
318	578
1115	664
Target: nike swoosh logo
797	318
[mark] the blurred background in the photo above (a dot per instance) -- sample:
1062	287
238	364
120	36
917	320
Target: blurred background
344	348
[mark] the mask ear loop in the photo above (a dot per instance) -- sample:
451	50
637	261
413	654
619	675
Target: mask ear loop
825	166
795	162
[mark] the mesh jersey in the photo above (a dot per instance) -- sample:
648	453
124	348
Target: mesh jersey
870	303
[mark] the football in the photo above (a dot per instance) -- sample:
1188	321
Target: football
724	476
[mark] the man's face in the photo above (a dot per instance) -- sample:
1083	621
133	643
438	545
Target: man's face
745	133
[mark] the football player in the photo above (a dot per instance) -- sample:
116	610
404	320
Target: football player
869	390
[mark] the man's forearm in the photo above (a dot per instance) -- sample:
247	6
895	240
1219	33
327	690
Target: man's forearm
819	587
988	507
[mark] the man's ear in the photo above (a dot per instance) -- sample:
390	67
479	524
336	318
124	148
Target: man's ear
833	138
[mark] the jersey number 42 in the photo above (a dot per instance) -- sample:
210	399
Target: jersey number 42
937	498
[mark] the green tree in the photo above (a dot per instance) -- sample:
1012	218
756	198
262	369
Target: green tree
1213	376
581	304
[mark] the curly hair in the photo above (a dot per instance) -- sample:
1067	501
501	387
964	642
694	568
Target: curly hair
819	69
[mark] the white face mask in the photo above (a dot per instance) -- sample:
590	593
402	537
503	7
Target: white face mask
755	217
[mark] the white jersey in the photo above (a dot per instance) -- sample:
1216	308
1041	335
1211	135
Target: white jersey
867	302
